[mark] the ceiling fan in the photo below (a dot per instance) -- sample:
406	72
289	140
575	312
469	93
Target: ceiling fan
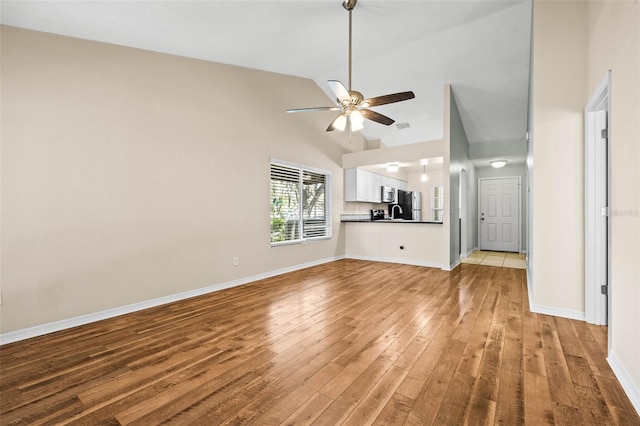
353	105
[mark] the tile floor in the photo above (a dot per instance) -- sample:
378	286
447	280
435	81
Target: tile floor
497	258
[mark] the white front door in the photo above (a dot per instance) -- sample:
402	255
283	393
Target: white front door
500	214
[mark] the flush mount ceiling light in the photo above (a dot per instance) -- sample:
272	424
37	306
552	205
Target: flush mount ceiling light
392	168
424	174
498	163
353	105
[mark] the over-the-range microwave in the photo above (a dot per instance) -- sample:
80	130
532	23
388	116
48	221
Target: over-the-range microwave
388	194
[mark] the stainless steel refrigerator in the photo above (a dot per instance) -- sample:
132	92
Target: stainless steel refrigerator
411	204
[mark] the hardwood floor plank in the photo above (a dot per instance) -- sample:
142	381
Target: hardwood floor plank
395	411
374	402
428	403
617	402
456	400
310	410
537	409
510	402
487	382
474	350
594	407
592	350
560	383
299	397
532	342
344	343
347	400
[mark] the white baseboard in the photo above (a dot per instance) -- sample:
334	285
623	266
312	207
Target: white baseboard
454	265
469	253
42	329
402	261
551	310
556	312
630	388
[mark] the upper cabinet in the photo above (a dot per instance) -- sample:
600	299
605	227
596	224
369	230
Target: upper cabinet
365	186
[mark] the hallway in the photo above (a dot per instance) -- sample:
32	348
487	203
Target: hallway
497	258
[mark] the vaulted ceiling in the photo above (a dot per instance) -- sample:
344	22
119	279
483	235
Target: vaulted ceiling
480	47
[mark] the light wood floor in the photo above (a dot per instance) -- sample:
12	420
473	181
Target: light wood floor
350	342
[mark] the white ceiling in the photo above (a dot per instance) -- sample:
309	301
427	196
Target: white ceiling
480	47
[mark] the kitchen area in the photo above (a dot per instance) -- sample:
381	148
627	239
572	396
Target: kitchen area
393	212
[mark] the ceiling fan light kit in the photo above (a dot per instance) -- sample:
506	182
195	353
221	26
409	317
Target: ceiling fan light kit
352	103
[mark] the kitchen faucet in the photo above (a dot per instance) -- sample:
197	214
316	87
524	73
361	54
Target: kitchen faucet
393	210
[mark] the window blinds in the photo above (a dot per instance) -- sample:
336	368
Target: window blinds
300	203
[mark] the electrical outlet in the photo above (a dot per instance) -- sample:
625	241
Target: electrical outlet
235	261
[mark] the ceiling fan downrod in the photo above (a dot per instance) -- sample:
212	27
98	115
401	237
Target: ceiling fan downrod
353	106
349	5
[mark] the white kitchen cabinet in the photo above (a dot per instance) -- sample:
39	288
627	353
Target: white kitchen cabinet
362	185
365	186
402	184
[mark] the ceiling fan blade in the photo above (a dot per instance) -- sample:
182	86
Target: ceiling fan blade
377	117
340	91
388	99
338	123
335	108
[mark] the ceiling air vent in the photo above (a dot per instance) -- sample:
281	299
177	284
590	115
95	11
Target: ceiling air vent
402	125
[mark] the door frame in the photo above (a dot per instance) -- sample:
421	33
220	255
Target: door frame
463	215
597	311
519	208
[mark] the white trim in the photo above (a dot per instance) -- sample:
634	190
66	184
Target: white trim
529	288
600	95
549	310
469	253
629	387
454	265
556	312
52	327
401	261
597	307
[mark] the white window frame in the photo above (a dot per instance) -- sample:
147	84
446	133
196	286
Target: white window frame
435	208
328	228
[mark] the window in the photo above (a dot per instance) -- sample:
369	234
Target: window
437	203
300	203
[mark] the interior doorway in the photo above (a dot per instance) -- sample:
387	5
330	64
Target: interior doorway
596	206
499	208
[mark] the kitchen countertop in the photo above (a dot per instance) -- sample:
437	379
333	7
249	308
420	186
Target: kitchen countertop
364	219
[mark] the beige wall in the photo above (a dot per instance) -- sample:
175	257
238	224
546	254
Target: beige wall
382	242
559	97
614	44
575	43
130	175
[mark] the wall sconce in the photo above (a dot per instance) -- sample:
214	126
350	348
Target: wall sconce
392	168
498	163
